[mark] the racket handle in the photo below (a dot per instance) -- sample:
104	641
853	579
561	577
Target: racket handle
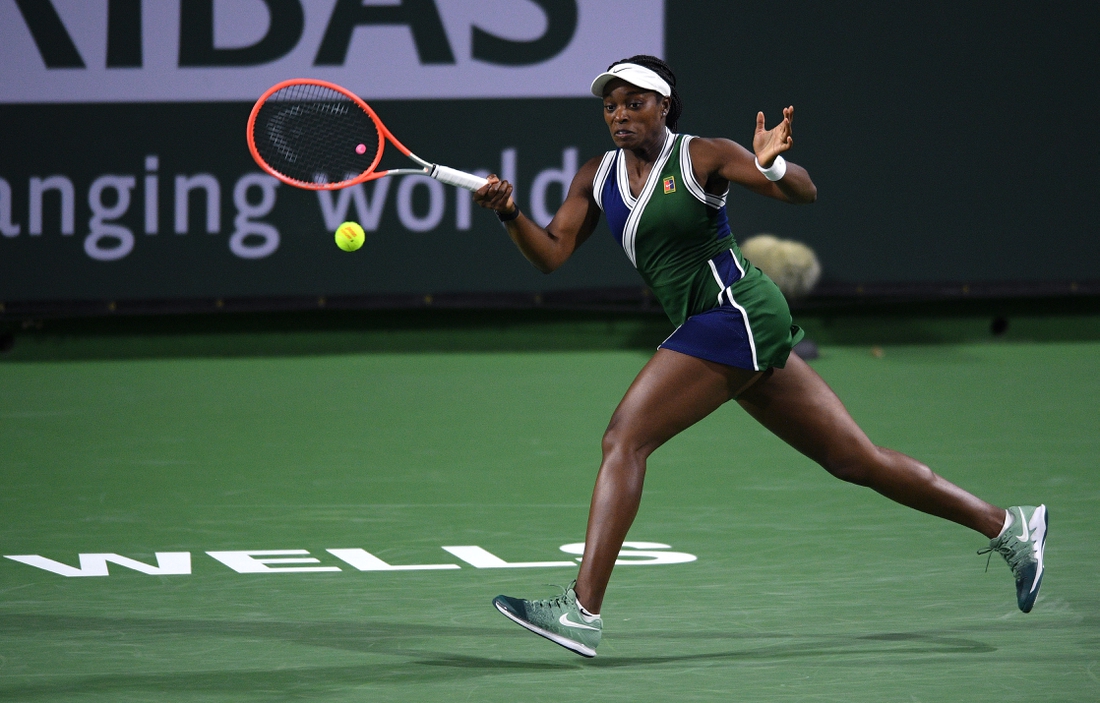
454	177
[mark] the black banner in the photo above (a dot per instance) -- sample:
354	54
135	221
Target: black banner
163	200
949	143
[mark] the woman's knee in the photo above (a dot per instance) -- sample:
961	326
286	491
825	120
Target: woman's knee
870	466
848	469
857	466
622	441
618	441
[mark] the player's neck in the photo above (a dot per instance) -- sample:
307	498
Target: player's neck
647	154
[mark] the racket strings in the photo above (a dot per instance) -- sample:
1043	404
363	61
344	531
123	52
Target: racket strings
313	134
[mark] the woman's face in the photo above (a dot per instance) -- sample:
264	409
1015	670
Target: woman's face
635	116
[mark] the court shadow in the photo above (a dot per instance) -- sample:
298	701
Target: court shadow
860	648
403	653
279	684
367	636
900	645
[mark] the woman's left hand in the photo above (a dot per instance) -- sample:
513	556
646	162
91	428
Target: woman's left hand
769	143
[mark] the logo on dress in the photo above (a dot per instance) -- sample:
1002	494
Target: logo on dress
670	185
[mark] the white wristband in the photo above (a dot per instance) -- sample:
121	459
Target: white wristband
777	170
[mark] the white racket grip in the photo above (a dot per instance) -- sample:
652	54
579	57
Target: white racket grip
454	177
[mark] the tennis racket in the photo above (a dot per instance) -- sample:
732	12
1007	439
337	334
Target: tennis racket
316	135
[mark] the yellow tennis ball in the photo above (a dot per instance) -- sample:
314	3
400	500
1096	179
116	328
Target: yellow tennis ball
350	236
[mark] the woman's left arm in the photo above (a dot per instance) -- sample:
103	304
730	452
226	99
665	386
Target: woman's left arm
732	162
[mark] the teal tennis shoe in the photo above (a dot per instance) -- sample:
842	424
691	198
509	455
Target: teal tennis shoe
1022	547
557	619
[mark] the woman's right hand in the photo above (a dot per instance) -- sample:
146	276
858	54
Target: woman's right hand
496	195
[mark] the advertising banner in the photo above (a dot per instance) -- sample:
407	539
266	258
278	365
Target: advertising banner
208	50
125	173
181	210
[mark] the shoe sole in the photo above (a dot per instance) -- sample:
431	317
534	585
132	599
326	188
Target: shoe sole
571	645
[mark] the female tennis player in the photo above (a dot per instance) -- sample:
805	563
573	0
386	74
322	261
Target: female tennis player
664	196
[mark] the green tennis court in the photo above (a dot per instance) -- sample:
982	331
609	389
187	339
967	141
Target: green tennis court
270	449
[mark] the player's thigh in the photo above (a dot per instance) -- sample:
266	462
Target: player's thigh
672	392
796	405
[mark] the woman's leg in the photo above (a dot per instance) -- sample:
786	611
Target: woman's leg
797	405
672	392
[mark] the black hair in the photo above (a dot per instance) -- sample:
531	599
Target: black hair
661	69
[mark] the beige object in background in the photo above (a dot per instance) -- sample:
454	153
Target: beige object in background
792	265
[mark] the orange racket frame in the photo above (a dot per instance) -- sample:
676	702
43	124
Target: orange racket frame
444	174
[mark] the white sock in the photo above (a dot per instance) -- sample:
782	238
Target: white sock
585	615
1008	524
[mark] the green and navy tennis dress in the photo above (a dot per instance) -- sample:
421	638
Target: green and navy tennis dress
678	237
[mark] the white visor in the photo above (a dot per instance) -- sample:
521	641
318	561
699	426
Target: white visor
633	74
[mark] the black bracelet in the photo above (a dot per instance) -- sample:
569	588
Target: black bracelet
508	218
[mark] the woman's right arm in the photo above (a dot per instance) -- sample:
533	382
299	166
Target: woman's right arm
548	248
